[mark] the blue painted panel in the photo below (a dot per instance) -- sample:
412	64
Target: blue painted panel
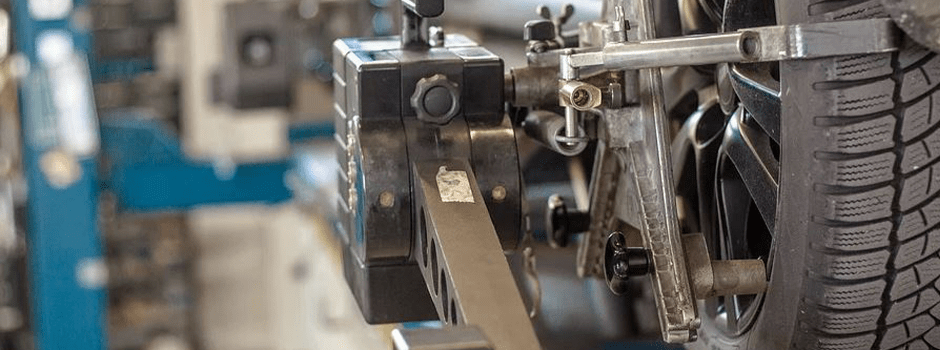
305	131
120	69
183	186
148	171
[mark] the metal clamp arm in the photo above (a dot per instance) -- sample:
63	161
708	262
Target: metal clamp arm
461	258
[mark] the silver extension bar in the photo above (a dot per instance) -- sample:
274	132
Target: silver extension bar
763	44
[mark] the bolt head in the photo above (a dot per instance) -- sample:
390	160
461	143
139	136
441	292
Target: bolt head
498	193
387	199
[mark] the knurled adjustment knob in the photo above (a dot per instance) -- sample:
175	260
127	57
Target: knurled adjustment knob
436	99
622	262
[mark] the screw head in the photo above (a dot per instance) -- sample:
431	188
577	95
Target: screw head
498	193
386	199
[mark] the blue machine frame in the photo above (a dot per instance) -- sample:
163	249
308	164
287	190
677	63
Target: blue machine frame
62	230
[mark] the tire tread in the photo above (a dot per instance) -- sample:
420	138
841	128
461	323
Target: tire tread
873	260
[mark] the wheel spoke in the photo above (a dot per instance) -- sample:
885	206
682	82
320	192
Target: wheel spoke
731	312
760	94
750	152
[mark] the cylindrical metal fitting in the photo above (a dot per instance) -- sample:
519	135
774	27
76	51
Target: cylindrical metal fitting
711	278
582	96
739	277
572	122
683	51
533	86
543	126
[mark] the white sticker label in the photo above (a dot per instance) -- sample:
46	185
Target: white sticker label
46	10
454	186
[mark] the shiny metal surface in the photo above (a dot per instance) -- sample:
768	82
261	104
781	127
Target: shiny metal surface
636	138
825	39
712	48
750	152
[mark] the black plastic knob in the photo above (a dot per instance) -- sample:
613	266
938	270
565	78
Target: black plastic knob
539	30
622	262
425	8
436	99
561	223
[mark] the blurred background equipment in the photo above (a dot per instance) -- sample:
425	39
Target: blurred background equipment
141	208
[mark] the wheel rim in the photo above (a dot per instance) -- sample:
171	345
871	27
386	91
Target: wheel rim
735	171
746	198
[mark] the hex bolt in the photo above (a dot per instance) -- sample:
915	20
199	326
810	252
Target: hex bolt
622	262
